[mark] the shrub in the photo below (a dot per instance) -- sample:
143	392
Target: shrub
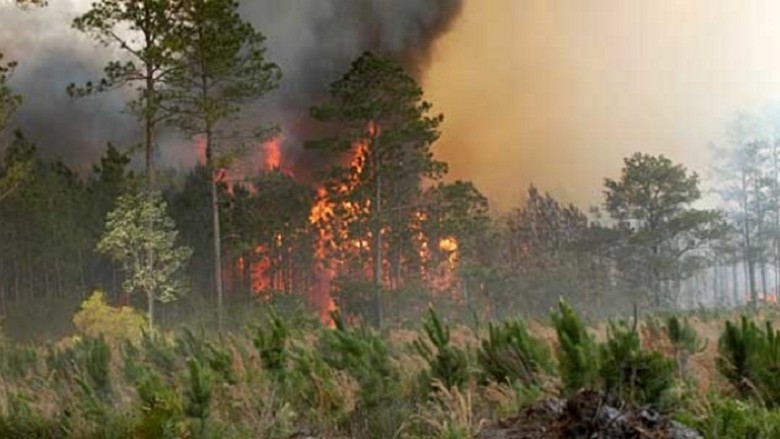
634	374
199	392
22	421
96	318
446	363
510	353
315	389
749	358
161	408
365	356
196	346
17	360
271	342
735	419
577	352
160	352
684	340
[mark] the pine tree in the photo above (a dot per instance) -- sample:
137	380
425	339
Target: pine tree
150	48
578	360
220	68
379	109
447	363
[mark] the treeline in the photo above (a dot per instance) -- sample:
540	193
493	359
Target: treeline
381	230
523	261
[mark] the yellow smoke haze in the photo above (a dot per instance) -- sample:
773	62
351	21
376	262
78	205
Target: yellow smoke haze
557	92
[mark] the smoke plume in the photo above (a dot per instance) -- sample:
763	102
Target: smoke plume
312	41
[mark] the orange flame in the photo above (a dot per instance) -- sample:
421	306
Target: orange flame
272	154
259	271
325	316
448	244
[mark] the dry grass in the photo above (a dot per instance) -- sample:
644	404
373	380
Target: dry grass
450	413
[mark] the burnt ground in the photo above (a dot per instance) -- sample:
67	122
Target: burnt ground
587	415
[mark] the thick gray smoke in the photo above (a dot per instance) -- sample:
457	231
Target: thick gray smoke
313	41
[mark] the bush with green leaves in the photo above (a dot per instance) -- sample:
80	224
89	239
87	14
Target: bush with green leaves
634	374
159	351
446	363
577	351
93	376
312	387
749	357
271	342
161	408
21	420
728	418
96	317
191	345
199	393
685	341
511	354
365	356
17	360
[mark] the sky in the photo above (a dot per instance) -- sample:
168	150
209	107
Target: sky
554	92
557	92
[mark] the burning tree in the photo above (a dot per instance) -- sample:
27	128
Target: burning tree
220	66
141	236
379	115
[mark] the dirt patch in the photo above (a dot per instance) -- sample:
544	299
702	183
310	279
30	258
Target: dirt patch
587	415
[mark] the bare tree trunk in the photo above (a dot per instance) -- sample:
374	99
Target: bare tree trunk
377	226
216	231
735	284
751	272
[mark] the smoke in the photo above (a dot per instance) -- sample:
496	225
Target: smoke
557	92
312	41
51	55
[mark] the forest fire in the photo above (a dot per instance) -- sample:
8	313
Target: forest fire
272	154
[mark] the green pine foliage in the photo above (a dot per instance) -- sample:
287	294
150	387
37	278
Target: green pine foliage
199	393
363	354
161	407
196	346
749	358
631	372
94	366
734	419
271	341
577	351
511	354
17	360
685	342
366	357
446	363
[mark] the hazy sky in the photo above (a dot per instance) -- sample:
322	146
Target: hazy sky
557	92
